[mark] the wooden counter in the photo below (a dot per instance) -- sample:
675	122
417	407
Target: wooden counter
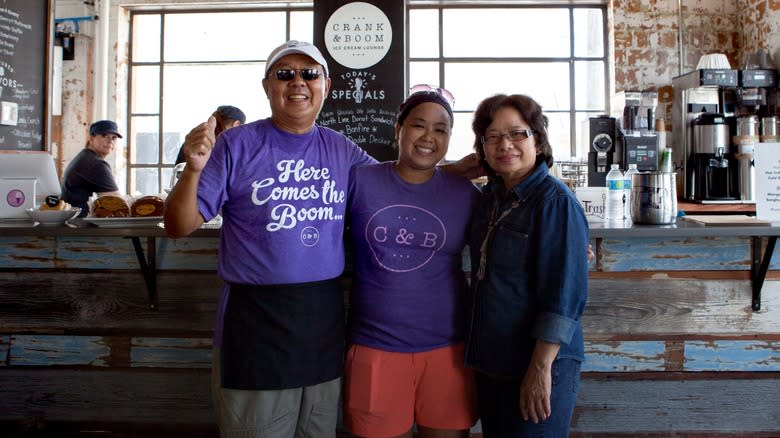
672	342
699	208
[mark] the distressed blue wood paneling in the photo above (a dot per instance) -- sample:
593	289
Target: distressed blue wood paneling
715	355
105	253
726	355
96	253
27	252
626	356
170	352
48	350
198	254
652	254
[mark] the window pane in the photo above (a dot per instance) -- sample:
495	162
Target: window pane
424	33
583	132
588	33
547	83
146	38
226	84
559	135
145	147
172	141
513	32
144	181
589	85
223	36
167	172
301	27
424	73
462	139
146	90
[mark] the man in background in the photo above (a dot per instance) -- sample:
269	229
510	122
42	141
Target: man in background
89	172
227	117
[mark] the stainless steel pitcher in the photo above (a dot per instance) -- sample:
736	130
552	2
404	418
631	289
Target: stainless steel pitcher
654	198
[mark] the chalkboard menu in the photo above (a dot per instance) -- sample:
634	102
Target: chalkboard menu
363	43
25	31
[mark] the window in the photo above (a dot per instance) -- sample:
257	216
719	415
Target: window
186	63
556	54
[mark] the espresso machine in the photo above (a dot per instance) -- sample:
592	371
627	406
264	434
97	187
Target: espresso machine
702	156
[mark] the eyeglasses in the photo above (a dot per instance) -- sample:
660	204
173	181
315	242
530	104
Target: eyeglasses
443	92
515	136
288	74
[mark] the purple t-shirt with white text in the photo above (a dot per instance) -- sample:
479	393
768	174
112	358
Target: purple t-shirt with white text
282	197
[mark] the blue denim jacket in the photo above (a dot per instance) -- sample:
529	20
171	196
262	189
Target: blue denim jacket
535	281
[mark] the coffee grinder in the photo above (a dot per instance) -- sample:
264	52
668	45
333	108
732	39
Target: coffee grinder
603	149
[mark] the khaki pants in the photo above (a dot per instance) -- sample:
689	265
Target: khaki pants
307	412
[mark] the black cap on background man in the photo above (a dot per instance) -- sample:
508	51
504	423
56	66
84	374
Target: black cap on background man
230	113
104	127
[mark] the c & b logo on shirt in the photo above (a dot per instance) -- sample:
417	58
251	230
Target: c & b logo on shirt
403	238
310	236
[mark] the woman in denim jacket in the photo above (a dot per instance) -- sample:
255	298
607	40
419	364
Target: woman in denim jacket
529	279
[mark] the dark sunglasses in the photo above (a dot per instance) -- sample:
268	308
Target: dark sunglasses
288	74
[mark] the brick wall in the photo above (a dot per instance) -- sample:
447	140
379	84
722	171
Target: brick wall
646	39
646	33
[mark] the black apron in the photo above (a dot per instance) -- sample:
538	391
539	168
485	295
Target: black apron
283	336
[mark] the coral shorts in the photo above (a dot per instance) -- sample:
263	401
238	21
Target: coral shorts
385	393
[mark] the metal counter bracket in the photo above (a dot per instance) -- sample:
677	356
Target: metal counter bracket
759	267
148	267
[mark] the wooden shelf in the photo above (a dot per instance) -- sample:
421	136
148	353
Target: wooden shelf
697	208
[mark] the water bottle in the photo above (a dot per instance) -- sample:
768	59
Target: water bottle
627	188
614	207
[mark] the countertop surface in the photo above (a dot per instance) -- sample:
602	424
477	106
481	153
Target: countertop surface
624	229
79	227
681	228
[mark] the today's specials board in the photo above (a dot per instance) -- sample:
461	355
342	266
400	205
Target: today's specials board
25	35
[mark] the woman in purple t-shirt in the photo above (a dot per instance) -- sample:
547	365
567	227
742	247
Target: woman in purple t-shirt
408	223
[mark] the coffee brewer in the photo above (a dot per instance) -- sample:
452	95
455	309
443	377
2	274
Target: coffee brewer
700	135
754	115
718	170
638	139
711	168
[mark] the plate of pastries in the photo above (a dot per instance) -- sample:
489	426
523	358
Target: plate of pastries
112	211
54	211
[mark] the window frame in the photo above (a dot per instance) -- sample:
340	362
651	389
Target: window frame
575	146
576	149
164	170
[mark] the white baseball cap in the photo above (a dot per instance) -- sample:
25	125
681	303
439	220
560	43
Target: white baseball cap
292	47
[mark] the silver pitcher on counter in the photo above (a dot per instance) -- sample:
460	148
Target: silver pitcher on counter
654	198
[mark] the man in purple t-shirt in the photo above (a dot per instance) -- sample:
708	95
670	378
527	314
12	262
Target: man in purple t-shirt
280	185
